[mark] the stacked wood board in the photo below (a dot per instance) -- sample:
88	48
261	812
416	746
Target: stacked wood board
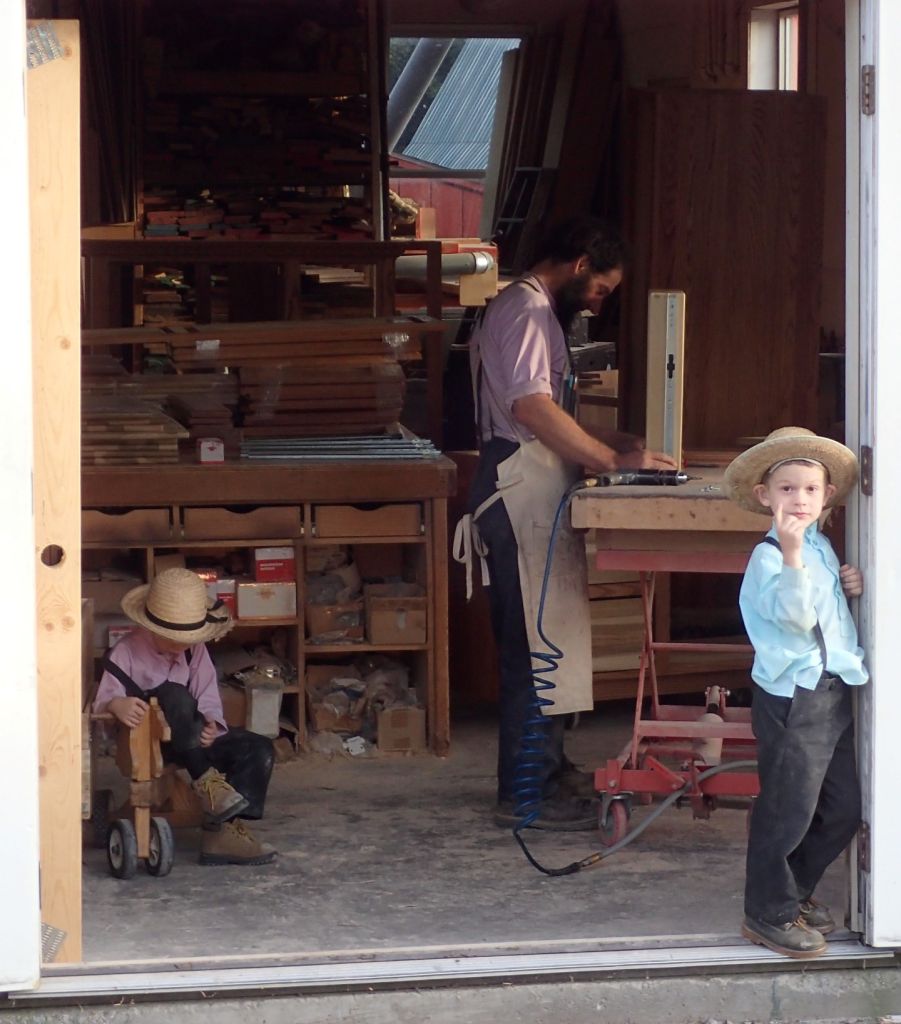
120	431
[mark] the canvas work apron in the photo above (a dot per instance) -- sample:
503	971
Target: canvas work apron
531	483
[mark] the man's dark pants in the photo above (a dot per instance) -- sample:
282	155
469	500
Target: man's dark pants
509	627
245	758
809	804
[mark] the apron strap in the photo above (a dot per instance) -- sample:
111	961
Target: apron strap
468	541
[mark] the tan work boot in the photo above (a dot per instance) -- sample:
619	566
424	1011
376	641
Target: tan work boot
233	843
218	799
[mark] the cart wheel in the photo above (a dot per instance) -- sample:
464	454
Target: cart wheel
122	848
101	810
616	824
162	848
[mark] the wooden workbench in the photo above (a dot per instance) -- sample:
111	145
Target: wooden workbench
168	503
664	530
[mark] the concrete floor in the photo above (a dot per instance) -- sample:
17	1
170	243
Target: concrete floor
394	852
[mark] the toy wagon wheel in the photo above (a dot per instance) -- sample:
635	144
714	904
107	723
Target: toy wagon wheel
101	812
162	848
122	848
616	824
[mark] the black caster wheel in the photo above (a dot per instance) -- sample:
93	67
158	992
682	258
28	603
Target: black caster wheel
162	848
616	824
122	848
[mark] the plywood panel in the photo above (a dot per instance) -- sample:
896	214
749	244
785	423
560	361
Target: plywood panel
728	200
53	126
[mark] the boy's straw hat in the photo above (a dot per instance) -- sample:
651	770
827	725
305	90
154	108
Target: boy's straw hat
748	469
175	605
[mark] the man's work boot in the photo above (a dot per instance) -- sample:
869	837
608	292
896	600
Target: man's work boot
816	915
233	843
218	799
795	939
556	814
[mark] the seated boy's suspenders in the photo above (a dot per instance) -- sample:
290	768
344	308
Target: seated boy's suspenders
131	687
817	631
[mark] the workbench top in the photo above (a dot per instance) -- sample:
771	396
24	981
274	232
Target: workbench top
289	482
699	505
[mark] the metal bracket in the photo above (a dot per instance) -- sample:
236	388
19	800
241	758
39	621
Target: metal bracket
866	470
868	90
863	847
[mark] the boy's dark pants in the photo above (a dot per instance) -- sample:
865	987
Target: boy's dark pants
809	804
244	758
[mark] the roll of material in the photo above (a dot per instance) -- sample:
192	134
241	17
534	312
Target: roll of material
452	264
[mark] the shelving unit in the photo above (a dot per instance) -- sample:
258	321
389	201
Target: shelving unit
149	511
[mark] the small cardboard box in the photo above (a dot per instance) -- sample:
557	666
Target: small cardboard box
267	600
274	565
395	613
323	716
234	704
227	593
401	729
335	623
210	449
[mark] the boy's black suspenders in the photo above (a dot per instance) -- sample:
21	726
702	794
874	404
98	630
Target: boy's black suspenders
131	687
817	631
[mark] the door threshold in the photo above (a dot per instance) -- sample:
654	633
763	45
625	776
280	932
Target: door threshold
397	969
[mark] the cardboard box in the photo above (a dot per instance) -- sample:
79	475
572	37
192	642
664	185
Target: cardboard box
234	704
323	716
401	729
267	600
335	623
275	565
176	560
396	613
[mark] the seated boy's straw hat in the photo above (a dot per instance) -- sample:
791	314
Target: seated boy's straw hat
749	468
175	605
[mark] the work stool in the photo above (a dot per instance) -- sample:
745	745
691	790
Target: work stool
159	799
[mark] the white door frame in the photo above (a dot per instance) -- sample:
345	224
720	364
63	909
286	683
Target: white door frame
874	413
20	936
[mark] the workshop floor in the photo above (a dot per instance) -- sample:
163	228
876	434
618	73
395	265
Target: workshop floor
391	852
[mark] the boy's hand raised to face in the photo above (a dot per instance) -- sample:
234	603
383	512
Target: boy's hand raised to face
790	531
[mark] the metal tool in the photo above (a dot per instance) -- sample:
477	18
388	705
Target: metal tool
645	478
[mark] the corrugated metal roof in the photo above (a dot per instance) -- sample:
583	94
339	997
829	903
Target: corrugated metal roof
456	130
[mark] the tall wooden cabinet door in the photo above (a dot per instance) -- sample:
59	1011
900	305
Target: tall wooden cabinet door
726	204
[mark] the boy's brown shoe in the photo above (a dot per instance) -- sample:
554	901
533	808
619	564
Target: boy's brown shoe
233	843
795	939
816	915
218	799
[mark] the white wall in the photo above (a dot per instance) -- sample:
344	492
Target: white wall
19	851
881	427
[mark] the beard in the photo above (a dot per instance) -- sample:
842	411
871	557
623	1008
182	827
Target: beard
571	298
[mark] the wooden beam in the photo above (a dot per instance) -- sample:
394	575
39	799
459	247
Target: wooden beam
52	95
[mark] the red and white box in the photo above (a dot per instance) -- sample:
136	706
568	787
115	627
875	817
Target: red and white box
210	577
274	565
227	593
210	449
267	600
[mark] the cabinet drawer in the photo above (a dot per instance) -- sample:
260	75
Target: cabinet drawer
136	525
367	520
264	521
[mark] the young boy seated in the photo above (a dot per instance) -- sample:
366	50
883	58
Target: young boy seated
806	659
166	658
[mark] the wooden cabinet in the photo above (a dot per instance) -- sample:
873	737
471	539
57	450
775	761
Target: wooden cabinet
394	523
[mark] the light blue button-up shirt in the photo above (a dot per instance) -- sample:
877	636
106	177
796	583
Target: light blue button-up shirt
780	607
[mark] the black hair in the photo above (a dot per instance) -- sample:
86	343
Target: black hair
584	236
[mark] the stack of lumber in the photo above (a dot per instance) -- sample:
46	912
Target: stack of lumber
303	401
120	431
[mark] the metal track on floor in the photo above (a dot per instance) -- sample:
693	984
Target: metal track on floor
186	980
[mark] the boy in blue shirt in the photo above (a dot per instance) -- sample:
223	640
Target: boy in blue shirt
806	657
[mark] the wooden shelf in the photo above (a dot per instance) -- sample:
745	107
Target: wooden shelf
322	542
365	648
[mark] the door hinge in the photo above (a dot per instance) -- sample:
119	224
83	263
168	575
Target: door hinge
868	89
866	470
863	847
